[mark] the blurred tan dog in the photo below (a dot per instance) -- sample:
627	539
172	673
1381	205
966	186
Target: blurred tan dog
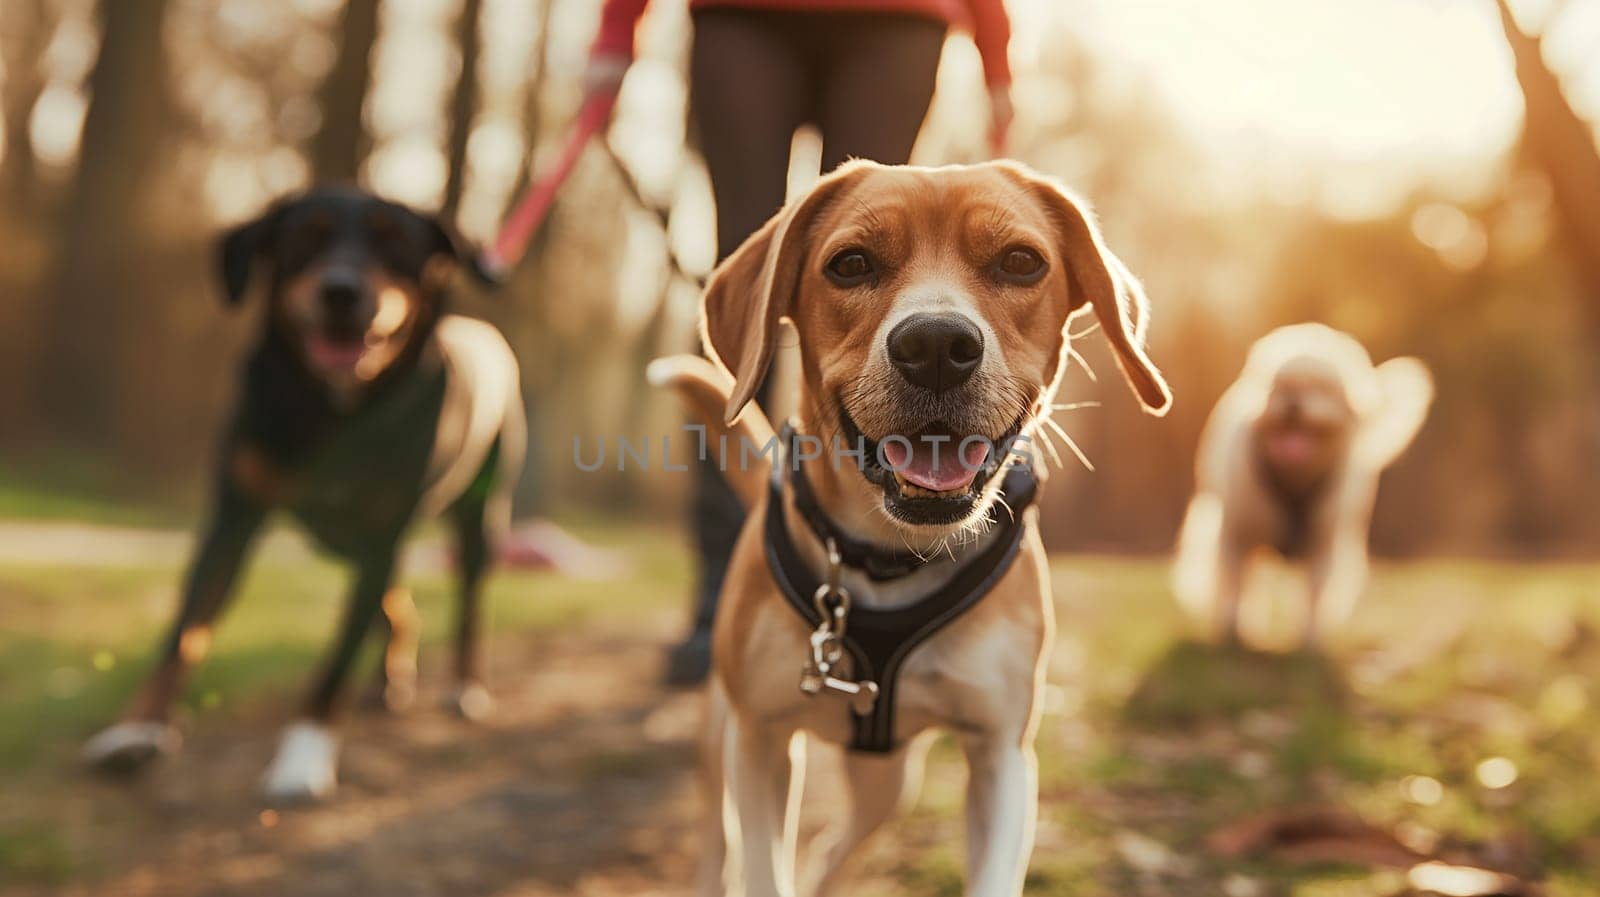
1290	460
930	304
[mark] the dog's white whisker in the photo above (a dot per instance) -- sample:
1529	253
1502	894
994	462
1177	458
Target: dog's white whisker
1071	443
1074	406
1049	446
1093	326
1001	501
1077	356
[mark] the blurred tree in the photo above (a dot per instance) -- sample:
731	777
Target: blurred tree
463	103
1562	145
525	321
27	224
342	143
29	24
533	107
100	263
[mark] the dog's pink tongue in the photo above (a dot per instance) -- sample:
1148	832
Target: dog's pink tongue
334	354
917	466
1293	447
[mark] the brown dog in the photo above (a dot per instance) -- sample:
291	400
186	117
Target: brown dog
1289	460
932	309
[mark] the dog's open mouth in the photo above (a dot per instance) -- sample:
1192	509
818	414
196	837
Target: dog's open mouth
1296	443
336	351
1293	446
933	477
933	464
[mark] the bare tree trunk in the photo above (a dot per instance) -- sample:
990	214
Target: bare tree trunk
463	103
342	143
22	45
533	106
98	298
23	39
528	319
1562	145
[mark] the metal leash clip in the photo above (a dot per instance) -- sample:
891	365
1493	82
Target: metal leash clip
827	644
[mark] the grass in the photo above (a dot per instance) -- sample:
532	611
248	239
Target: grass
1150	742
61	485
1446	664
78	640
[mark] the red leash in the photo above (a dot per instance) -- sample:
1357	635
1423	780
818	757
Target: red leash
524	220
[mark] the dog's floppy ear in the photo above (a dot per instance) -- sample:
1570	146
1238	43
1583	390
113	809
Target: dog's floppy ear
242	247
1405	391
753	289
1098	278
447	243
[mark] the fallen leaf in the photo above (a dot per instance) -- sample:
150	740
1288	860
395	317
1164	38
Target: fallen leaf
1314	834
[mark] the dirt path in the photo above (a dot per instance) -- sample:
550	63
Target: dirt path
583	784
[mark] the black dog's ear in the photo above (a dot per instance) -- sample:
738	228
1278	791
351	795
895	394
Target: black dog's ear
448	242
240	249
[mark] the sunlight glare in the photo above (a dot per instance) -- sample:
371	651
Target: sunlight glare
1564	701
1424	90
1458	238
411	169
57	123
72	49
231	186
1454	881
1496	773
1424	791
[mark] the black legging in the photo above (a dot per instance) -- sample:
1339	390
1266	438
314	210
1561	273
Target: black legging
864	79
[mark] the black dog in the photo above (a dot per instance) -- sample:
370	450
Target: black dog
364	407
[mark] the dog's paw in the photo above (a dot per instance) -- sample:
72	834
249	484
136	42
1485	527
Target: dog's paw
399	695
473	702
128	747
306	766
391	697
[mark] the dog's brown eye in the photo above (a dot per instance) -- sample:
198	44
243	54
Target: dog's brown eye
850	268
1020	265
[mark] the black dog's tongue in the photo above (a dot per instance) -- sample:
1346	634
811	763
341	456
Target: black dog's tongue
335	353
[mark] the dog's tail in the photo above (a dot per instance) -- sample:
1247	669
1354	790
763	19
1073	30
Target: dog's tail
743	447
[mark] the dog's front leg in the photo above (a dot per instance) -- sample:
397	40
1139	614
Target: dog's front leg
1002	800
765	769
1338	576
480	526
306	764
144	731
879	785
713	878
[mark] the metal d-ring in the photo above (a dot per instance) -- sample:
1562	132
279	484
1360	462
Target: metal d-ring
835	614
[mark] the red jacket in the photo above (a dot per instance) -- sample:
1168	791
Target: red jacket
986	19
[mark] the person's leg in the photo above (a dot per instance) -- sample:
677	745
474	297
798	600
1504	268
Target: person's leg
878	73
748	92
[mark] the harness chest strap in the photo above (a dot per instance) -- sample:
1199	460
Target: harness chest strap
879	641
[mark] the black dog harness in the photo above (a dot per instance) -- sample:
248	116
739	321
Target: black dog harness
878	641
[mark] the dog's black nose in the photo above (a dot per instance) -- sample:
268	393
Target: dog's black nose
341	293
936	352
